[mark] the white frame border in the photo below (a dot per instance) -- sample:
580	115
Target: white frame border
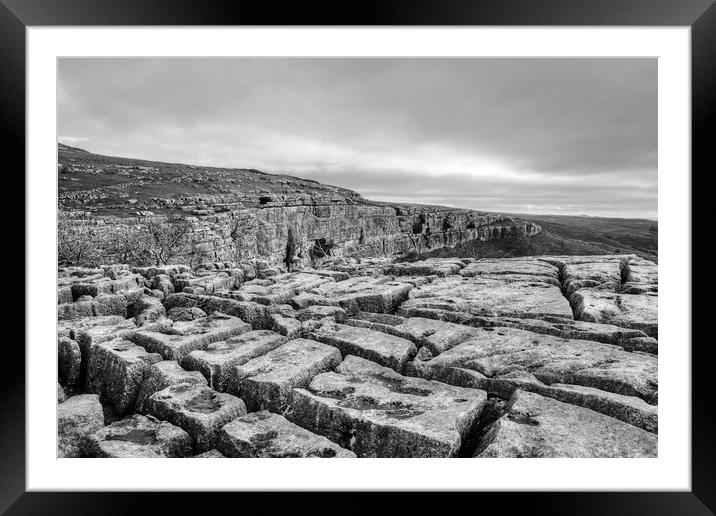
670	471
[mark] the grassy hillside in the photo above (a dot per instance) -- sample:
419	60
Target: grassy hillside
110	185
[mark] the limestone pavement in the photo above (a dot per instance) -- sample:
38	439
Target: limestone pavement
541	356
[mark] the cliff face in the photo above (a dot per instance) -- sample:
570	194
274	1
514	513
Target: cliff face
238	214
305	234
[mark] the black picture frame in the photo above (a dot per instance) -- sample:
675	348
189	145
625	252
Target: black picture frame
700	15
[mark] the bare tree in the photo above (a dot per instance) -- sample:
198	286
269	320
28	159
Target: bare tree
128	245
167	238
77	243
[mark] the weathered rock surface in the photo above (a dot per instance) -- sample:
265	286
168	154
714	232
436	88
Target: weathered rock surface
490	297
148	310
645	344
162	375
286	326
163	283
217	361
375	412
626	310
205	284
61	396
105	285
140	436
437	336
513	270
163	270
629	409
186	336
266	382
116	371
266	435
199	410
429	267
180	313
281	288
318	312
103	304
581	330
536	426
368	294
641	276
599	274
77	418
497	352
69	359
255	314
384	349
211	454
423	345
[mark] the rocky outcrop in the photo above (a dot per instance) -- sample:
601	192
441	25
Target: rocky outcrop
239	214
306	234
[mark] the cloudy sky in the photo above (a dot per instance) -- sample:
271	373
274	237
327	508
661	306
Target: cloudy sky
569	136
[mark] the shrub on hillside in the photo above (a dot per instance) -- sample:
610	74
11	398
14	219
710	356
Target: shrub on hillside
77	244
128	245
166	239
88	245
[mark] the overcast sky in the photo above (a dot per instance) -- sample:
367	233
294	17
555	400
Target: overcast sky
563	136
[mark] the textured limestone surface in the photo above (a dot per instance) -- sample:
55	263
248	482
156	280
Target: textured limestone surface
198	409
382	348
266	435
139	436
162	375
370	294
69	362
475	295
184	337
375	412
637	311
116	371
265	382
77	418
219	358
513	270
497	352
538	356
535	426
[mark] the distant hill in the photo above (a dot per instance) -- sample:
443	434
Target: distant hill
112	185
570	235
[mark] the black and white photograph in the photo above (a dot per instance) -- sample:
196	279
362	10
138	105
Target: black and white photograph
357	257
391	234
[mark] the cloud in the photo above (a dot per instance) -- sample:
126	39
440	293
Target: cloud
578	134
71	140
